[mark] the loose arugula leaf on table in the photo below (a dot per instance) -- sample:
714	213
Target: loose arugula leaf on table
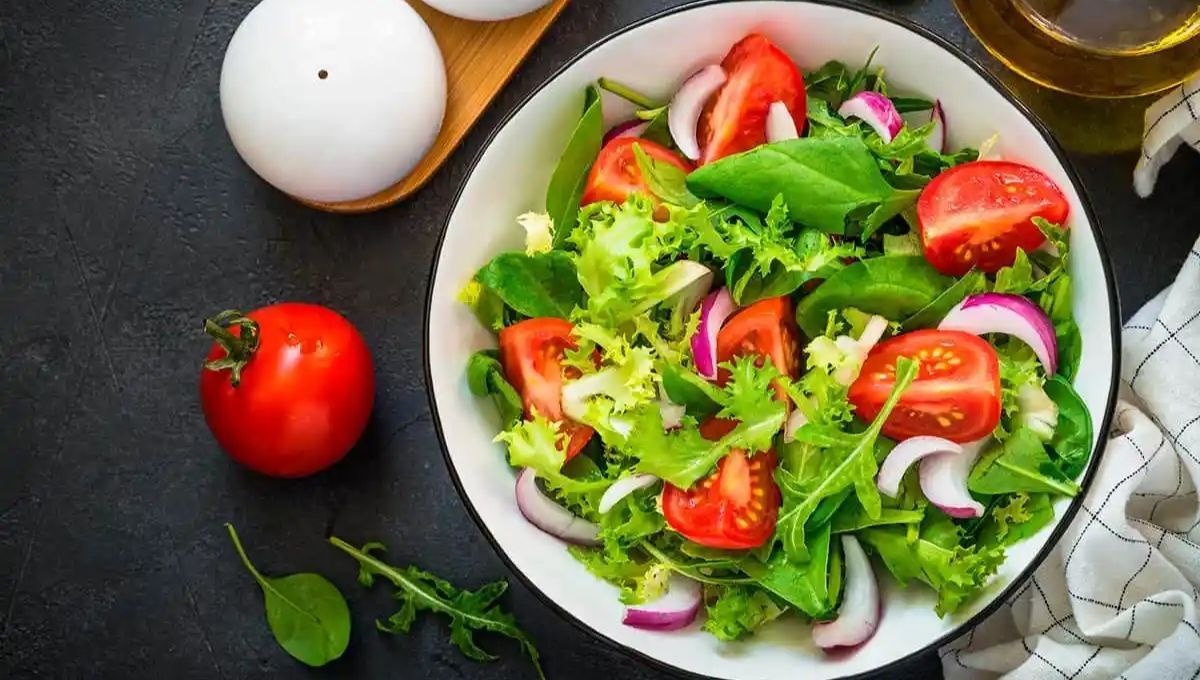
544	284
307	614
932	314
1015	518
893	286
847	461
1072	442
832	184
566	184
738	611
417	591
485	377
1021	463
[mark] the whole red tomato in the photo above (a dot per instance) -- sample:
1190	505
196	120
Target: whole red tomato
287	389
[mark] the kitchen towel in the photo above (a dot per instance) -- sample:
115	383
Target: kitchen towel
1118	597
1171	122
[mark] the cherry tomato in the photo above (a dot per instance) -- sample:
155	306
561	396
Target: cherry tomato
735	119
287	389
956	394
978	214
766	328
615	174
733	508
531	352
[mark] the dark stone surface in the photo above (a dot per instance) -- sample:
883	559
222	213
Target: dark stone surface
125	216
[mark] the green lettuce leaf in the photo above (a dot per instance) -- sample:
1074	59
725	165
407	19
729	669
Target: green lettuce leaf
737	611
485	377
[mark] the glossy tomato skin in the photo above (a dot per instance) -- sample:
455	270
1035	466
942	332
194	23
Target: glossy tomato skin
766	328
735	118
736	507
615	175
956	394
978	214
304	398
531	353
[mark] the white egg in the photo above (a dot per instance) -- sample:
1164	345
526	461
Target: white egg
333	100
486	10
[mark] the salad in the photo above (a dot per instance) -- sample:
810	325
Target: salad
772	341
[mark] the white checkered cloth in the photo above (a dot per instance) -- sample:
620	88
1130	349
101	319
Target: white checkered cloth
1171	122
1118	597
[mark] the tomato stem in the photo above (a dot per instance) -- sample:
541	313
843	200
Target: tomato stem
238	348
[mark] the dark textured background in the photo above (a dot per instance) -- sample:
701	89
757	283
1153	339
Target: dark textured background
125	216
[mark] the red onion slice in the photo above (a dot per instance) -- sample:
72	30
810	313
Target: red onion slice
780	124
622	488
630	128
1009	314
714	311
550	517
907	452
944	481
676	609
937	137
859	615
875	110
683	115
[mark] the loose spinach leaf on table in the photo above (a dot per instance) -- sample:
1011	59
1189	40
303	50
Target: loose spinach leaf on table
932	314
542	284
1072	442
307	615
485	377
1021	463
893	286
566	184
418	590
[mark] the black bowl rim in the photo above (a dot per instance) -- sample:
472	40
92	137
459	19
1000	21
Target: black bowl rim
1110	285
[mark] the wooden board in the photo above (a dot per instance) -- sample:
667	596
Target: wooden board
480	58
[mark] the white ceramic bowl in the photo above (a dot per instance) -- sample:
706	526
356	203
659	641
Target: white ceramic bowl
510	177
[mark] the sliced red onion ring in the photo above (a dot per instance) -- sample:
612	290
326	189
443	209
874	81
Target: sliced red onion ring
622	488
683	115
937	137
676	609
794	422
550	517
715	309
630	128
780	124
1009	314
875	110
944	481
859	615
907	452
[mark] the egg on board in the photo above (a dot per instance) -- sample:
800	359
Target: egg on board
333	100
486	10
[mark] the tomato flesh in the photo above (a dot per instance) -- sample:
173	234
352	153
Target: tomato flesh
956	394
766	328
978	214
531	353
733	508
615	175
758	74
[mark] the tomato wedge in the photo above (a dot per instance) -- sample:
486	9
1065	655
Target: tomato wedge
978	214
733	508
758	74
615	175
766	328
531	352
956	394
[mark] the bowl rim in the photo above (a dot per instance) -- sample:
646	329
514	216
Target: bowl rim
1102	426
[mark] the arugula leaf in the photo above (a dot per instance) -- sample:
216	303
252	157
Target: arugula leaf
688	389
627	93
895	287
486	305
911	104
851	517
1016	278
664	180
485	377
804	585
932	314
566	184
416	590
1019	464
1072	442
543	284
307	614
1016	518
738	611
824	182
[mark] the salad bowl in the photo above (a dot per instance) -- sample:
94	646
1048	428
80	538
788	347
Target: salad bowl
509	178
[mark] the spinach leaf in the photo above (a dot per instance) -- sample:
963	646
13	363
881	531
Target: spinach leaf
823	181
1015	518
827	509
805	585
664	180
1070	348
485	377
307	615
543	284
1072	443
893	286
932	314
417	591
485	304
1021	463
688	389
566	184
